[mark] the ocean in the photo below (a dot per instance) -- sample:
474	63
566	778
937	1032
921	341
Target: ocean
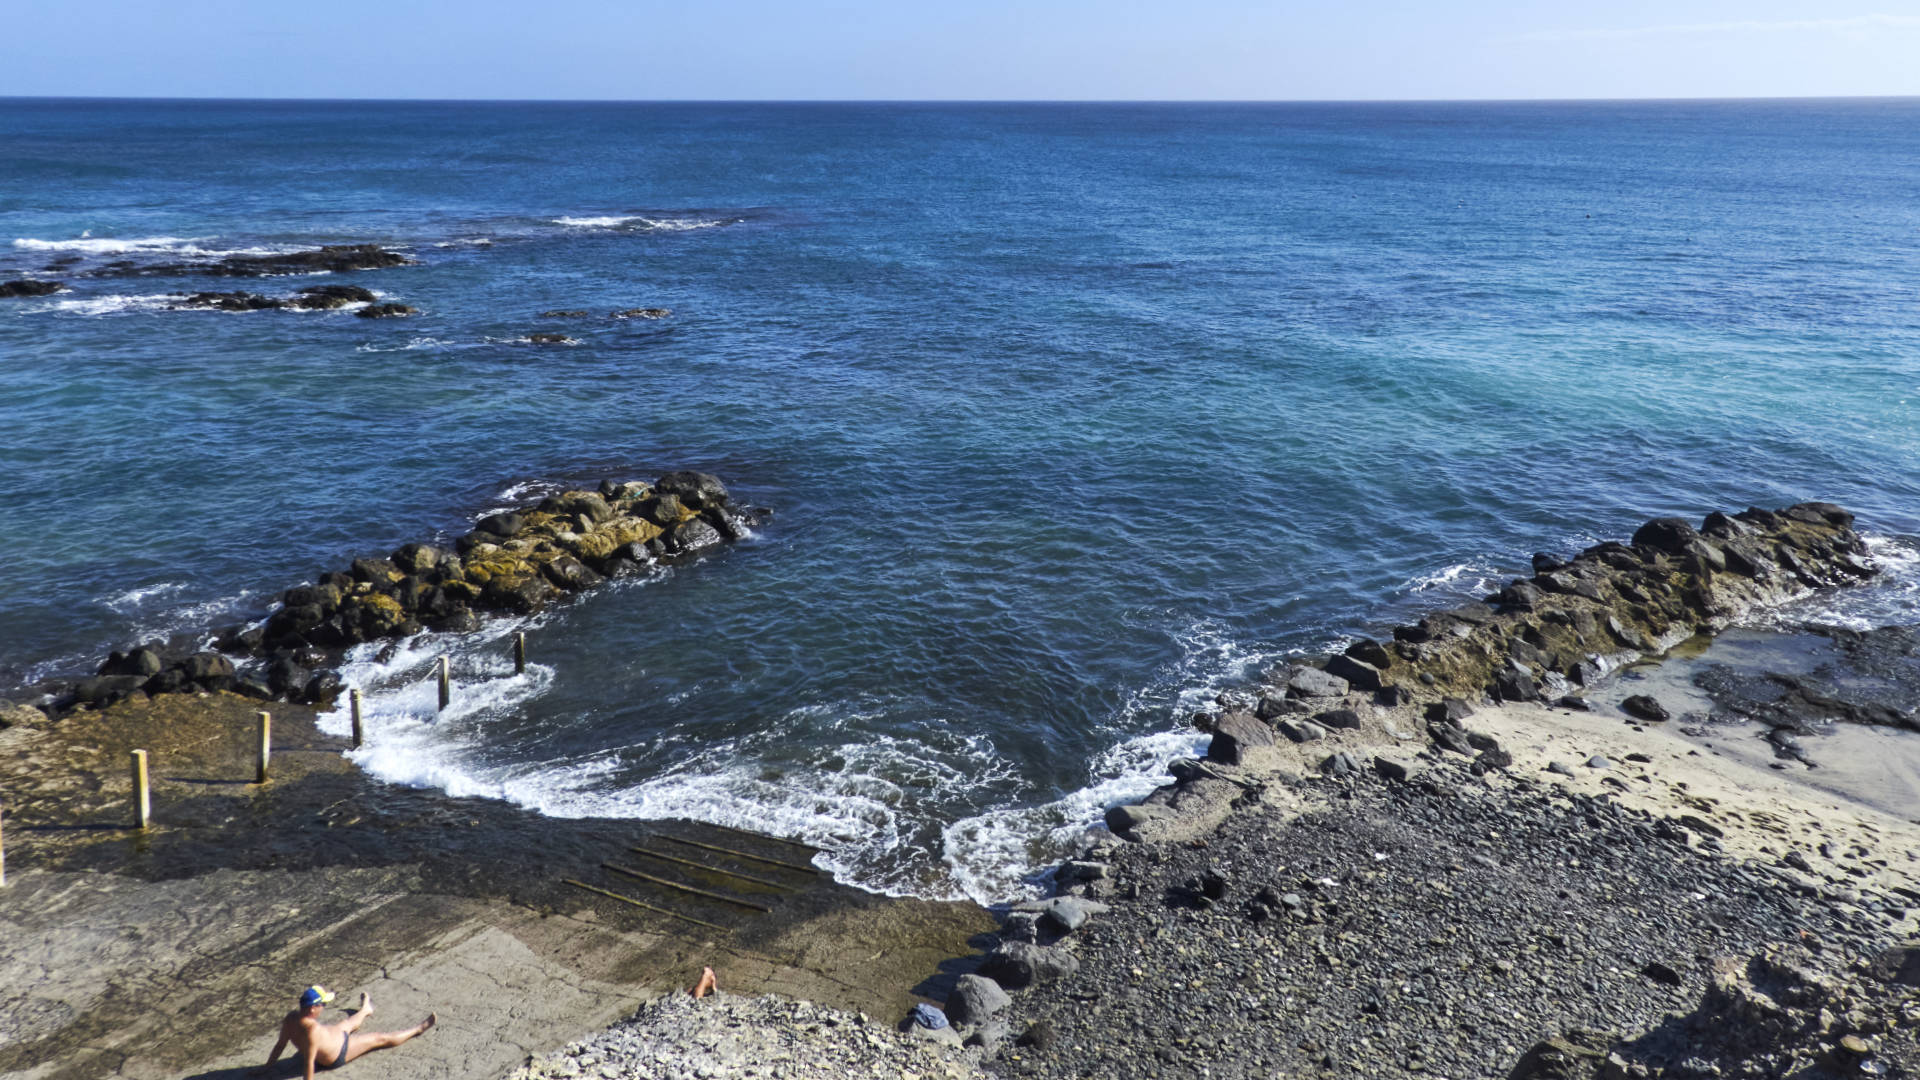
1069	416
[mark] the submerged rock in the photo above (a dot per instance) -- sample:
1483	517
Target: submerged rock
643	313
15	289
327	297
229	301
387	311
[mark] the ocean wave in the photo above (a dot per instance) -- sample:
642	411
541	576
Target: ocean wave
1891	599
413	345
136	599
116	304
1002	854
1472	578
643	222
181	246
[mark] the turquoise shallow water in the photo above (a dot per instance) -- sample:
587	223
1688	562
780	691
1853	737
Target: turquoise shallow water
1069	414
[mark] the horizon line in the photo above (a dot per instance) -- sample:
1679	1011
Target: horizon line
1703	99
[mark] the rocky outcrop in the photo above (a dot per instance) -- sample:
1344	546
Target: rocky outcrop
333	258
513	562
387	311
327	297
545	337
1572	622
1784	1011
643	313
315	298
16	289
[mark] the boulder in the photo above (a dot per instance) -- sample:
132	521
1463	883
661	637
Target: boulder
1016	964
142	662
418	558
1358	673
1448	711
1392	768
1513	684
508	524
229	301
975	999
1645	707
386	311
1124	819
1234	735
570	574
1369	651
1668	534
1302	731
1338	719
696	489
548	337
1312	682
206	667
328	297
693	535
1065	914
11	290
587	504
1576	1055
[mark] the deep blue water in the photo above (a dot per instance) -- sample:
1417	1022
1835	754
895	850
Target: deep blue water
1069	414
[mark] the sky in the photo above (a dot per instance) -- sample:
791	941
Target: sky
1077	50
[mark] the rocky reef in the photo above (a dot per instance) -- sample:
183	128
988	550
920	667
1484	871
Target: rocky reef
332	258
16	289
515	562
1544	637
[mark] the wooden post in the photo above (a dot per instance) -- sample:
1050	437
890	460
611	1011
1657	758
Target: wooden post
446	684
266	746
520	654
142	804
359	733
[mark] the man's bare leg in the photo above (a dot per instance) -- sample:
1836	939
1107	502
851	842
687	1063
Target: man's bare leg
358	1016
359	1043
706	985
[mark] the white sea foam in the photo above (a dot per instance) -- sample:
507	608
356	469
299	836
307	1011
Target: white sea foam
872	801
1892	598
189	247
993	856
412	345
138	599
117	304
1462	579
642	222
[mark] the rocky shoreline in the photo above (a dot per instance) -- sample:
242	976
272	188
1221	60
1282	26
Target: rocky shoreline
1381	869
514	562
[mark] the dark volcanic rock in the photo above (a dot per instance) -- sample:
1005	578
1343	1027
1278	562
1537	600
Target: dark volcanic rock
327	297
1646	708
1671	535
230	301
334	258
15	289
975	1000
547	337
1359	674
386	311
1234	735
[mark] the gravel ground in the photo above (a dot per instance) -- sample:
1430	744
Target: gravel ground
679	1038
1435	927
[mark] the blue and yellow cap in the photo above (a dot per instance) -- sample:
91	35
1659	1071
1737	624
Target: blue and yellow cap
315	995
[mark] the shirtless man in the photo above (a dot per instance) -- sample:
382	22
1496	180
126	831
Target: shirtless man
329	1046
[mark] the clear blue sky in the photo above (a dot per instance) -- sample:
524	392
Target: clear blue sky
986	49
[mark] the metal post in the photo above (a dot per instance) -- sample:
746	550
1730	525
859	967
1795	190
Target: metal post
142	803
266	746
359	733
446	684
520	654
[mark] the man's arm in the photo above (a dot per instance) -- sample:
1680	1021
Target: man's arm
313	1051
275	1056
